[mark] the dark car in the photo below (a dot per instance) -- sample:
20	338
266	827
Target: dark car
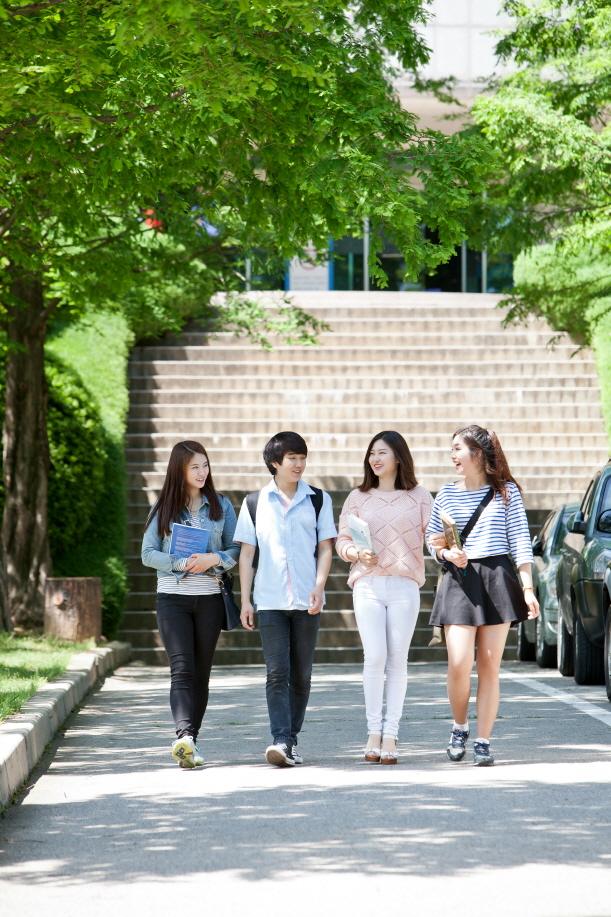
537	638
583	599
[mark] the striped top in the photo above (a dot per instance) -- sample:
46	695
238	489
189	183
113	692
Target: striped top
502	528
190	583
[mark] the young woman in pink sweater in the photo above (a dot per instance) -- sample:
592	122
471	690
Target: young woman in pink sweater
386	581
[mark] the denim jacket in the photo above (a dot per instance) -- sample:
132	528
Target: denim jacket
155	547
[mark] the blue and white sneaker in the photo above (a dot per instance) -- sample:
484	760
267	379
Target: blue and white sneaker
198	760
481	754
280	754
296	756
456	750
186	752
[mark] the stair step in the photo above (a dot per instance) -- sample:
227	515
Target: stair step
552	379
156	400
149	417
444	426
365	363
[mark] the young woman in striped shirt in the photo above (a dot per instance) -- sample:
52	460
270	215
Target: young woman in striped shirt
480	595
190	608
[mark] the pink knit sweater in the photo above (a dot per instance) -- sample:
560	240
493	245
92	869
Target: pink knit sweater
397	522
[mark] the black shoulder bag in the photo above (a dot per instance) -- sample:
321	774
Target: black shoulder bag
232	612
437	637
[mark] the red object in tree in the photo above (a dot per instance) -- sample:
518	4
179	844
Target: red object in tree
151	220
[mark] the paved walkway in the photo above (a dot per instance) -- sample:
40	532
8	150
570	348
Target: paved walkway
109	826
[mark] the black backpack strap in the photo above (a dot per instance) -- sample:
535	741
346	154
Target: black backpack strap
476	514
252	501
317	499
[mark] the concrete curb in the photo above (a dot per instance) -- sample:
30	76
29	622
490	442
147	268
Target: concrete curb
24	736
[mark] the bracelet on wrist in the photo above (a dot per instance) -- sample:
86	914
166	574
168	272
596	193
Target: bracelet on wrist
526	588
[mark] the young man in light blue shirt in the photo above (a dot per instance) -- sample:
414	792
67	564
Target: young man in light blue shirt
293	530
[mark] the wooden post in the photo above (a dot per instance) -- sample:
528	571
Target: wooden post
73	607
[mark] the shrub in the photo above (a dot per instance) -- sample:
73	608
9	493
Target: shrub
76	454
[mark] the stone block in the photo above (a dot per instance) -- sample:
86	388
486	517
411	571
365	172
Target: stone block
13	764
73	607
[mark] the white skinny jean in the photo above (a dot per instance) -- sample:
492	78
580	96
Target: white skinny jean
386	609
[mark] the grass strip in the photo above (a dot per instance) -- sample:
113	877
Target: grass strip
27	661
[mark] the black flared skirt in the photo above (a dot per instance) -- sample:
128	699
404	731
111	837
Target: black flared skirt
489	593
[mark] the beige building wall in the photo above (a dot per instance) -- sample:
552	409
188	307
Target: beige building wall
460	36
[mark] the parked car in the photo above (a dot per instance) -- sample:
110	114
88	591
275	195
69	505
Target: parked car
537	639
583	598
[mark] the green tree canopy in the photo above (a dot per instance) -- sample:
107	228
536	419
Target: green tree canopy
549	121
273	119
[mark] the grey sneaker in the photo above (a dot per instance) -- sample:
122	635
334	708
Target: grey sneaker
456	749
280	754
481	754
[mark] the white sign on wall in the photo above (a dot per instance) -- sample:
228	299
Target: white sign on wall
306	275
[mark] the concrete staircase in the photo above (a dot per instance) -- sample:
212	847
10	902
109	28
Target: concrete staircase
420	363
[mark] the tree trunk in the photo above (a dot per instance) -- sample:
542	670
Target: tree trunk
26	456
6	622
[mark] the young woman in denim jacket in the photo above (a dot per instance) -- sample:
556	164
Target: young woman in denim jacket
190	609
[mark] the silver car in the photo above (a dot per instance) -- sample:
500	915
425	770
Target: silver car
537	639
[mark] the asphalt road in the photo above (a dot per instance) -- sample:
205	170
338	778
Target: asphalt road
110	826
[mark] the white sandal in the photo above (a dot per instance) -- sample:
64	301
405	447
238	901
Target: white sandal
389	757
373	754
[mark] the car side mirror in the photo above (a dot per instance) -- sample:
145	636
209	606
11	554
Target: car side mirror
603	523
576	523
537	547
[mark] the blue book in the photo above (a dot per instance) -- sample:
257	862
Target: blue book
187	540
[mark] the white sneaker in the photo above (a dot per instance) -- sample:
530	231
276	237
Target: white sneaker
186	752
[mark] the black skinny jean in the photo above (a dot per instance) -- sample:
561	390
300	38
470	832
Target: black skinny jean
190	626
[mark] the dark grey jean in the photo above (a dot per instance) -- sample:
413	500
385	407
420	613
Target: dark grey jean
289	641
190	626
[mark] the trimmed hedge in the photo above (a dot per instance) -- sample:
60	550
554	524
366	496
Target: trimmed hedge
96	348
76	453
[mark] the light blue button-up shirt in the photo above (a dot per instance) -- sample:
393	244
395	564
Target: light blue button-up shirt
286	545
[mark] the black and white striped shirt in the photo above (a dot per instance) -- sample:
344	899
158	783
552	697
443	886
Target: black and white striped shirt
502	528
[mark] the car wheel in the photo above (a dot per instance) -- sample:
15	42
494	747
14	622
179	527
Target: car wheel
565	648
589	659
544	653
526	650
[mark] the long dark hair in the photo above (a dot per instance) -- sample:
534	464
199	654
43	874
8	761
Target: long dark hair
485	444
406	476
174	495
